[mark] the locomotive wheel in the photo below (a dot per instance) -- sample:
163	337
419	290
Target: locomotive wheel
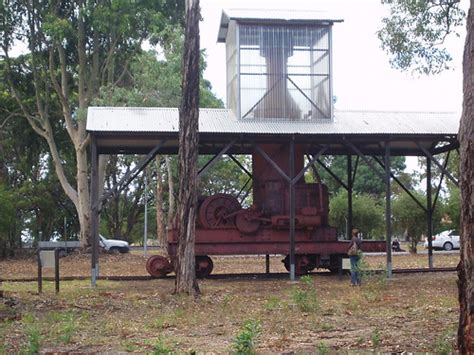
218	211
158	266
246	222
204	266
303	264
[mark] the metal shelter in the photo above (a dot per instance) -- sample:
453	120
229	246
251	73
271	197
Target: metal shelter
373	136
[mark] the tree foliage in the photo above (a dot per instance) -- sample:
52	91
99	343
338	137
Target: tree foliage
368	214
414	33
74	49
409	220
366	180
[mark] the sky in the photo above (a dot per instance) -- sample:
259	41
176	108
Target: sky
362	76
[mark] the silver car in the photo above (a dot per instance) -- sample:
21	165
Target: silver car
447	240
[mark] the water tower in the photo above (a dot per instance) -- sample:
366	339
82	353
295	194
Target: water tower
278	64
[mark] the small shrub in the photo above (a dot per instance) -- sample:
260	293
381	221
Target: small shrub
67	328
272	304
161	347
376	338
305	297
322	349
32	333
307	280
443	345
246	339
326	327
227	300
34	339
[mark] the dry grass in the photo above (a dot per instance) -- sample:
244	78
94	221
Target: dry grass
415	312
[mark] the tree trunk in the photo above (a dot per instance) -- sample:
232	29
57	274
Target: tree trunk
160	218
83	196
466	139
185	281
170	192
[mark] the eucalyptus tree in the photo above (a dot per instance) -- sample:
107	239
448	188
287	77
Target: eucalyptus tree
75	47
185	266
41	209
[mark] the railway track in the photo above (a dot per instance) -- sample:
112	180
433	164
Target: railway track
237	276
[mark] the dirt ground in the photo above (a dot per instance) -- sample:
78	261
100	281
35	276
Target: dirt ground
318	314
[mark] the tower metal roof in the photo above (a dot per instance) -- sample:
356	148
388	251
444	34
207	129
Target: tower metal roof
273	16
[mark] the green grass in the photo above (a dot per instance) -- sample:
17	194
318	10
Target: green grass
245	341
162	347
322	349
376	338
304	296
32	333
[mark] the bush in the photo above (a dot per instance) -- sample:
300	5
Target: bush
305	297
246	339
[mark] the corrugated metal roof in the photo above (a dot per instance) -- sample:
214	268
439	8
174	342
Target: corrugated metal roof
274	16
218	121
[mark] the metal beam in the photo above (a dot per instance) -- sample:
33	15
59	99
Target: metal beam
429	215
263	97
367	161
240	165
454	145
312	161
243	187
292	209
441	180
272	163
215	158
429	155
349	197
335	177
401	185
355	168
388	209
130	175
305	96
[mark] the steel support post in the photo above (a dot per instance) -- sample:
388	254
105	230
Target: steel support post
56	269
267	264
40	272
292	209
349	197
429	212
94	212
145	217
388	209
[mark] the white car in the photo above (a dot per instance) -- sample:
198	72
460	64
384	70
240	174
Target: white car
114	245
447	240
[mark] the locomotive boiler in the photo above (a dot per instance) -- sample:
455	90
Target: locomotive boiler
278	71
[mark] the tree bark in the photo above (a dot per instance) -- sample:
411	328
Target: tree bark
170	192
466	139
185	281
160	218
